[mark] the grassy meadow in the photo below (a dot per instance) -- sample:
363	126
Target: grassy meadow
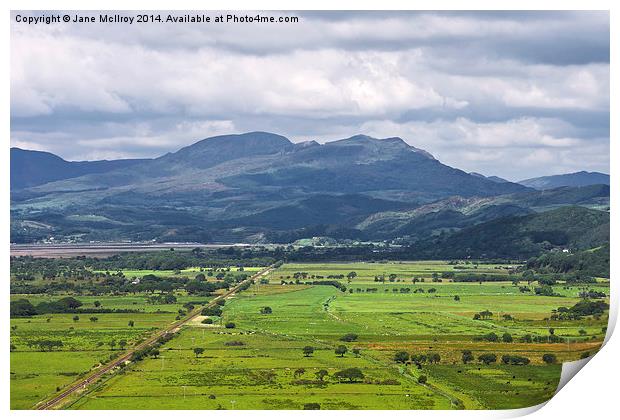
260	363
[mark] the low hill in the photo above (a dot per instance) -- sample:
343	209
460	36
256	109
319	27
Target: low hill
576	179
30	168
455	213
572	227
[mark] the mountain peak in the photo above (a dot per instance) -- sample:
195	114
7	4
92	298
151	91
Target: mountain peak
213	150
389	143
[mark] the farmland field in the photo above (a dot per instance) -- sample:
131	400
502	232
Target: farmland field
259	362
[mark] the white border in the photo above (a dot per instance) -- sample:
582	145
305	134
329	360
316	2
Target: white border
592	394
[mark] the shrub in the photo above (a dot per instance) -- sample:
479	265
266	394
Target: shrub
508	359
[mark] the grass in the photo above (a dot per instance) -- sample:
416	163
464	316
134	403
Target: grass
36	374
261	372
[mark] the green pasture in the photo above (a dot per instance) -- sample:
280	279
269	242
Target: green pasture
36	374
260	364
405	271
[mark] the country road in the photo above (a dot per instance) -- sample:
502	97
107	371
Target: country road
92	377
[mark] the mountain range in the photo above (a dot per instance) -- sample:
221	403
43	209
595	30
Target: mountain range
260	187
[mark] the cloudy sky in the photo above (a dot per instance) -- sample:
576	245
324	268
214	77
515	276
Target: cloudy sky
513	94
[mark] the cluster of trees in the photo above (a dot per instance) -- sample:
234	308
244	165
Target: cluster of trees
507	359
24	308
494	338
118	283
164	298
582	265
394	290
583	308
592	294
59	271
418	359
46	345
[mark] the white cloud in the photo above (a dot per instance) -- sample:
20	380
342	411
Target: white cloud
484	92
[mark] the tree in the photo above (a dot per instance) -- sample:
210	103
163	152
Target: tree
434	358
422	379
321	374
299	372
230	325
97	304
200	277
457	298
350	337
351	374
266	310
122	343
308	350
401	357
69	303
467	356
486	314
130	323
93	319
352	275
112	344
198	351
487	358
341	350
549	358
356	352
76	318
507	338
22	307
215	311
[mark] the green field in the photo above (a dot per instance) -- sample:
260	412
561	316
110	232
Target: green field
36	374
260	364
